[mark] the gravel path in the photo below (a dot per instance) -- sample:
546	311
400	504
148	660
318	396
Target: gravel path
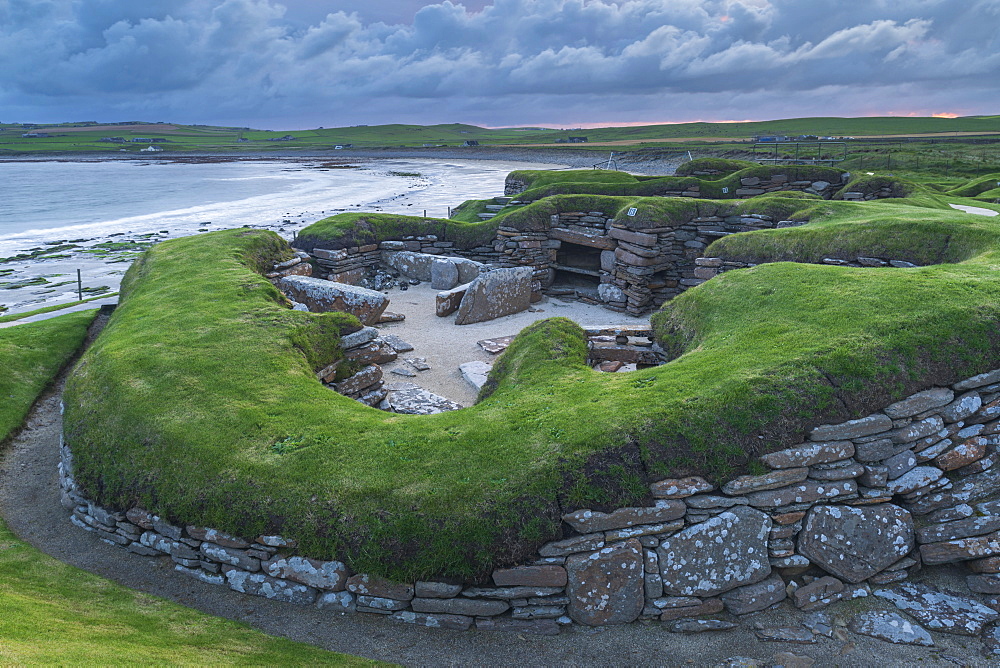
29	502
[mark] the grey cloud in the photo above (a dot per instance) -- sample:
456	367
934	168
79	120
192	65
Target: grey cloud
507	61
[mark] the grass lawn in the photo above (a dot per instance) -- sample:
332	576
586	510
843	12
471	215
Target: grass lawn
187	403
52	613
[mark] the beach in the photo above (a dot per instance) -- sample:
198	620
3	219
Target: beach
96	215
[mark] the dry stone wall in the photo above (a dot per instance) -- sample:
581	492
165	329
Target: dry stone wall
857	506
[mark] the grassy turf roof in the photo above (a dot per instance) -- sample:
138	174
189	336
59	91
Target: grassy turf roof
199	401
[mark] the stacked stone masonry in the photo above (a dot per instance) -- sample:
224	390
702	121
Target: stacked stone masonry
631	270
857	506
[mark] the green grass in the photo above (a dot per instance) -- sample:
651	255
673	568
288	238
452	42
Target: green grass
48	309
32	355
52	613
70	137
189	402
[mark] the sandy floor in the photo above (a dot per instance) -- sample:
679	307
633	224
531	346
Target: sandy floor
446	345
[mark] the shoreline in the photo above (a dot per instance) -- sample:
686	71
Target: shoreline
103	249
652	162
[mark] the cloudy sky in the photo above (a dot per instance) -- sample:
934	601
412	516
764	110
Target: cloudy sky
293	64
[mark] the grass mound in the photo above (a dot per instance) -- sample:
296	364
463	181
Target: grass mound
722	186
720	165
179	405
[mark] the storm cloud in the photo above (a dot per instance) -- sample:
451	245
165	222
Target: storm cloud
556	62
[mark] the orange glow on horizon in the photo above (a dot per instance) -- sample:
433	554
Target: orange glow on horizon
944	114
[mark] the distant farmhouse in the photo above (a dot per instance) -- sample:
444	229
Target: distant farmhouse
285	138
148	140
572	140
35	135
470	142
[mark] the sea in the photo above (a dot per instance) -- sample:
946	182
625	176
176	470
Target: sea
84	203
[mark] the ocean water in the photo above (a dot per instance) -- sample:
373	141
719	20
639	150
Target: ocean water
42	200
91	201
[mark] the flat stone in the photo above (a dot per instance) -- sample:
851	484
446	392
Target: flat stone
328	575
754	597
320	296
338	601
962	549
808	454
722	553
444	274
358	338
806	492
968	451
396	343
964	528
496	345
900	464
920	402
643	530
706	606
364	378
562	548
939	611
850	470
914	479
590	521
698	625
379	604
855	543
404	372
680	488
606	586
711	501
447	302
533	576
988	583
962	407
410	264
879	449
773	480
460	606
540	627
418	363
987	378
819	623
866	426
418	401
789	660
495	294
891	627
259	584
986	565
371	585
917	430
429	589
451	622
794	634
475	373
217	537
819	593
512	592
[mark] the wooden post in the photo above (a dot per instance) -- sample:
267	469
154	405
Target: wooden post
79	284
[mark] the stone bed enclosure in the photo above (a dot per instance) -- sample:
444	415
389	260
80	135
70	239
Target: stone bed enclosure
858	507
622	263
